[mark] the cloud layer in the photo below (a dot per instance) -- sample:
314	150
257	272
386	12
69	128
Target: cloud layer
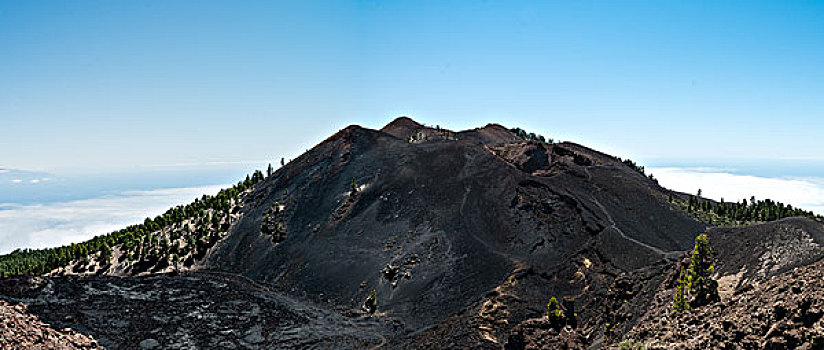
15	176
55	224
806	193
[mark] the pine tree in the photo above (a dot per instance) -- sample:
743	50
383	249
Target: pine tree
553	309
371	303
691	204
702	287
680	302
105	253
695	286
353	189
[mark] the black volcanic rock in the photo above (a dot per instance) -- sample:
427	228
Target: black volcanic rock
782	309
194	310
762	251
765	309
402	128
491	134
470	215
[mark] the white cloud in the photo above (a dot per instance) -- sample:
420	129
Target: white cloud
806	193
55	224
3	171
33	181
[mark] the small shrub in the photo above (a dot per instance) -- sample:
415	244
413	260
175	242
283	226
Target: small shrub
632	345
371	303
555	314
553	309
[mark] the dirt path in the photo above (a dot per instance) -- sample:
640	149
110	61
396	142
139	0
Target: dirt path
614	226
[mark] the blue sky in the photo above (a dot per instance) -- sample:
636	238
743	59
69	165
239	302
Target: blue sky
104	86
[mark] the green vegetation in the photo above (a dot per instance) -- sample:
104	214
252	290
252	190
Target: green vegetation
353	188
447	134
738	213
632	345
530	136
639	168
145	243
695	287
630	163
273	224
609	329
555	314
553	309
371	303
702	288
680	302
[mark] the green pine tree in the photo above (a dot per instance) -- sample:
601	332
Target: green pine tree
695	286
702	287
353	189
554	313
680	302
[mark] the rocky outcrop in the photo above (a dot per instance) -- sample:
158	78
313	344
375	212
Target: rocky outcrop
784	312
540	333
20	329
273	225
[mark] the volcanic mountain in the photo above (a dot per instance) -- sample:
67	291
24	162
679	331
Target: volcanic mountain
441	221
415	237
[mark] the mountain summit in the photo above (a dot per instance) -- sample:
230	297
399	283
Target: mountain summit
442	218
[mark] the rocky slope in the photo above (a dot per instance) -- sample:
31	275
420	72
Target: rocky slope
192	311
784	312
20	329
445	223
771	282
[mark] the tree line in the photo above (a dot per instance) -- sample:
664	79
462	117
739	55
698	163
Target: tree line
143	239
530	135
743	212
730	213
639	168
